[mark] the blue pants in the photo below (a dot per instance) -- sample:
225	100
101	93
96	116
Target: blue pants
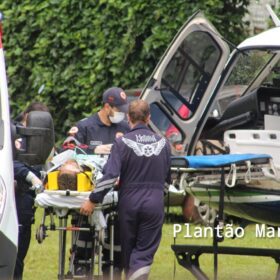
141	218
25	213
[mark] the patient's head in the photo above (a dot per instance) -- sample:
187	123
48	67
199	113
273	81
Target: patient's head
67	177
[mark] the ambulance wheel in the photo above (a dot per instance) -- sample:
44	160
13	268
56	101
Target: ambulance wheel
40	234
198	212
206	214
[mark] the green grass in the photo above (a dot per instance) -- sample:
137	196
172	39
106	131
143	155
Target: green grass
42	259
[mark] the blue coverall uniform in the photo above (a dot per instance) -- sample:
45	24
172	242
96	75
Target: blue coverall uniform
25	212
142	160
93	132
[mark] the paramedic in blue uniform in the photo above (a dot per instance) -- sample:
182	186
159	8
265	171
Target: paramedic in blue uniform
141	161
27	182
99	132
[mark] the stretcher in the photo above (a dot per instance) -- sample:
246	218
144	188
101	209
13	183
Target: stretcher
222	173
64	204
205	171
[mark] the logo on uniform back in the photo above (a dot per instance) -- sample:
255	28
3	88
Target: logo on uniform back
146	150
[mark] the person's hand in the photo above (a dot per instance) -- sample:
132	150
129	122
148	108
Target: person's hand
35	181
32	179
119	134
18	143
73	131
87	208
37	184
117	183
38	188
103	149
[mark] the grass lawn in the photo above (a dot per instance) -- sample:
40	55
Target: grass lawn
42	259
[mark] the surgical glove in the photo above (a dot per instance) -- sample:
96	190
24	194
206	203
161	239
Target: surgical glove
103	149
36	183
32	179
38	188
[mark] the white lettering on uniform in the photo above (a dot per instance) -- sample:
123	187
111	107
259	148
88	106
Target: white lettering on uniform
145	138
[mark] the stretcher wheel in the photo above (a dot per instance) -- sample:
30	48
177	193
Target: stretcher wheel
41	233
101	236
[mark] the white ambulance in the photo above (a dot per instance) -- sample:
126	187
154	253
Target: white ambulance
39	137
8	218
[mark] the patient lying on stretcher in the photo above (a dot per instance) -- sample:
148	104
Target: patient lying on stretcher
67	176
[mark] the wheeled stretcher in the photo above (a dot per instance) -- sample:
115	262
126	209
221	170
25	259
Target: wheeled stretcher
234	181
65	204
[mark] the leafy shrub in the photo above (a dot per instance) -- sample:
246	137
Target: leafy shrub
67	52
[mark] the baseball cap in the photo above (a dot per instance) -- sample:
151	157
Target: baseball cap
116	97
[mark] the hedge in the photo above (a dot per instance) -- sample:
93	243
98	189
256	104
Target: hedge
65	53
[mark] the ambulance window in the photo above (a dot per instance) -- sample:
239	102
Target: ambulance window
247	68
167	128
188	73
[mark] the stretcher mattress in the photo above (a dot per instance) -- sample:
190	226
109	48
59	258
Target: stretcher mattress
70	199
212	161
61	199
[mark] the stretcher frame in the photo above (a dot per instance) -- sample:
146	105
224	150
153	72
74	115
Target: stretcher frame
188	255
97	239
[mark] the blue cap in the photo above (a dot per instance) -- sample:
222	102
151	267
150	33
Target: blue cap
116	97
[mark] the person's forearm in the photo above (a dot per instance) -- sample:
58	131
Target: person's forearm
102	187
20	170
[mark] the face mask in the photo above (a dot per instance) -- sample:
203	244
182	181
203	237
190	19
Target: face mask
117	117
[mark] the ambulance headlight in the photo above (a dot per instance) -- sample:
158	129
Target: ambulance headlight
2	198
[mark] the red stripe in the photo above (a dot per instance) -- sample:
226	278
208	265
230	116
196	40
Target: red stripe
72	228
1	33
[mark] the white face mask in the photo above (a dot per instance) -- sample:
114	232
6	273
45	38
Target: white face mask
118	117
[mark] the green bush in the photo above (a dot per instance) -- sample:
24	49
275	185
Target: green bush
66	52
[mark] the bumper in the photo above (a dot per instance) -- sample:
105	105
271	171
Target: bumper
8	254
